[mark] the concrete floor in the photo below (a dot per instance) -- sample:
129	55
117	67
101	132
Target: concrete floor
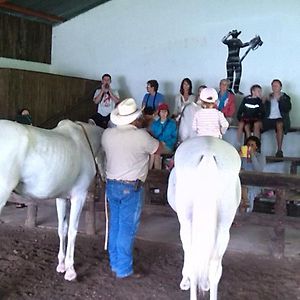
159	223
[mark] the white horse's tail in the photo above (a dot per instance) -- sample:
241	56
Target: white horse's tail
204	224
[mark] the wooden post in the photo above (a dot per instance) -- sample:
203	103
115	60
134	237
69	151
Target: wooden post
146	193
278	239
32	210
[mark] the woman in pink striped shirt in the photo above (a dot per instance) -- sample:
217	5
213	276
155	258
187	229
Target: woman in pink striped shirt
209	121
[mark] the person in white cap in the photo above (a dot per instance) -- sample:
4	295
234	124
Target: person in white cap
127	150
209	121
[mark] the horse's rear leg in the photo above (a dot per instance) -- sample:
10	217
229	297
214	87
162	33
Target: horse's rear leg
61	205
7	185
185	236
4	195
215	269
227	210
77	203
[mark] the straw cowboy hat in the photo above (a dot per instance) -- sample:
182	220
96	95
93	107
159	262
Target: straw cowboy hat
209	95
125	113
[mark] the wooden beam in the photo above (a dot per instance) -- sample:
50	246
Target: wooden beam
280	159
29	12
263	179
273	180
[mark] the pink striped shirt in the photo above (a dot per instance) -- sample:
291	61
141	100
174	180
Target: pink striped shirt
209	121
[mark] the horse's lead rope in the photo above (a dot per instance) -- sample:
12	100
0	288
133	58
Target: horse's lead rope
98	173
90	145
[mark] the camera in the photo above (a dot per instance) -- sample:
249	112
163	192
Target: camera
106	86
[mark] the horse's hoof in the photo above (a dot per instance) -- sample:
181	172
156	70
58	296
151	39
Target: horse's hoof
70	274
185	284
60	268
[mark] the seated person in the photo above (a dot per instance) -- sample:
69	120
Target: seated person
185	97
226	101
200	88
277	114
250	114
164	129
252	160
152	98
208	121
106	98
23	117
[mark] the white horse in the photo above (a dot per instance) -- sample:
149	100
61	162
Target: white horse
186	120
57	163
204	189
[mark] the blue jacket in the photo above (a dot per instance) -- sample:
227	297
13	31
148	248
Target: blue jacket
165	132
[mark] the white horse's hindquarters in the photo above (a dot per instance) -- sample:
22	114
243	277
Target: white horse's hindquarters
172	189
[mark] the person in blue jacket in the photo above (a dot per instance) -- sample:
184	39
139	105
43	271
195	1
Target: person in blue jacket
164	129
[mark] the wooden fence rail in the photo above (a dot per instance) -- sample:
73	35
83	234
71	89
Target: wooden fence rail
158	180
282	183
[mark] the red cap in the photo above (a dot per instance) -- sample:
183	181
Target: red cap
163	106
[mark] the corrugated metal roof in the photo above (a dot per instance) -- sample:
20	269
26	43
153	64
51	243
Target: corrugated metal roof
48	11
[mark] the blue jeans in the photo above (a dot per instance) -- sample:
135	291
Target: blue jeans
125	207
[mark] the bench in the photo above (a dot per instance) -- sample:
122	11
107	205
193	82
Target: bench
265	203
282	183
95	193
156	187
295	162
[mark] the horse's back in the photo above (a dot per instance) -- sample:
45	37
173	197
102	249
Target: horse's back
201	162
189	153
52	162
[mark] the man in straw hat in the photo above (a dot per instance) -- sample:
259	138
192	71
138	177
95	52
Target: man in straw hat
127	150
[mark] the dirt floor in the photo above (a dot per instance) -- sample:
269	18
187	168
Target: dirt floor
28	261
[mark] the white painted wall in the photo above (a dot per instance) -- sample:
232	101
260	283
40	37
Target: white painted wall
168	40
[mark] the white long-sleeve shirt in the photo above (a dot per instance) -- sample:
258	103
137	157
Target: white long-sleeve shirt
179	103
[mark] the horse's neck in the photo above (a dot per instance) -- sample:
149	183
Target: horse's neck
185	128
94	134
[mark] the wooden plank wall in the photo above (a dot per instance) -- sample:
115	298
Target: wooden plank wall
49	97
24	39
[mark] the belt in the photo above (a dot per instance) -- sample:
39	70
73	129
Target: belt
133	182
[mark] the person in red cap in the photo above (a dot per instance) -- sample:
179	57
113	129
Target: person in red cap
164	129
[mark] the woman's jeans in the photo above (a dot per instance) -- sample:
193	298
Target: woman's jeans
125	206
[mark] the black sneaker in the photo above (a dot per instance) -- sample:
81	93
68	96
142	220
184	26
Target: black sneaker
279	154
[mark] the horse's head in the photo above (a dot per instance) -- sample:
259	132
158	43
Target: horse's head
93	134
186	120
